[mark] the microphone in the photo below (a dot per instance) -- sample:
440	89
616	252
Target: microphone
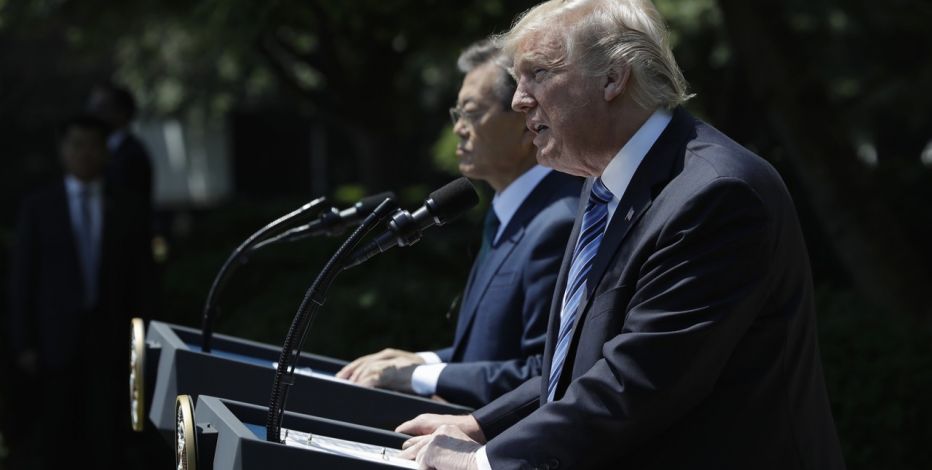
232	263
405	228
331	222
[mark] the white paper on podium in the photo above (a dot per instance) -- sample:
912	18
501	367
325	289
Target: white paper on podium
331	445
308	372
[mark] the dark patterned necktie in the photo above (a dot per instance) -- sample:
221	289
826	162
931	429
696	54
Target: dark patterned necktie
489	230
88	249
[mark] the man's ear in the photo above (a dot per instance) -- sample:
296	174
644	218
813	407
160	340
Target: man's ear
616	81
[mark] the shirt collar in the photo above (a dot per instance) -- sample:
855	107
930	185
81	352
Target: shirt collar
617	175
74	186
507	201
115	140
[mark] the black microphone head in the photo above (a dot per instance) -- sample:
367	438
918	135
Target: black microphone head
453	199
366	205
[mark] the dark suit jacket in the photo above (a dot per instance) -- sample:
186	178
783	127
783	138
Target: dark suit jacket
48	313
503	317
695	345
130	169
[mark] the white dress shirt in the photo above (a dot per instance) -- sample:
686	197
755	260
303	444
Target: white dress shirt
618	173
73	188
617	176
505	203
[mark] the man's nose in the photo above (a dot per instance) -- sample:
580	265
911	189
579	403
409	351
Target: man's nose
522	101
459	128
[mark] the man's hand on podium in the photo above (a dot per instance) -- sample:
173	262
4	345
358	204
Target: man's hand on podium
446	448
388	368
428	423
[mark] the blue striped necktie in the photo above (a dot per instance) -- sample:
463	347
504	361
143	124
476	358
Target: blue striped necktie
590	237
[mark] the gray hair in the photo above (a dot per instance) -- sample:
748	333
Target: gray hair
485	52
601	34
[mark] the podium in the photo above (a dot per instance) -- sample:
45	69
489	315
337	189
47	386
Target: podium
171	363
226	434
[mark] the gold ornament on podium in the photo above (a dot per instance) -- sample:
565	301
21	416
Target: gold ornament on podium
185	445
137	356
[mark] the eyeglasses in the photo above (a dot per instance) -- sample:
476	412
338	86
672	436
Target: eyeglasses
469	117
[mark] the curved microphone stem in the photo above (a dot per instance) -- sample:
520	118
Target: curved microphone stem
294	234
289	235
307	311
232	263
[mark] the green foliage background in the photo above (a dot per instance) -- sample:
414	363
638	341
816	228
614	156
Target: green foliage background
381	73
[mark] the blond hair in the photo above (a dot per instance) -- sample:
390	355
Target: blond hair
599	35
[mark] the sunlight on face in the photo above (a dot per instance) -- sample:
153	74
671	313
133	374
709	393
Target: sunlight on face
490	136
562	105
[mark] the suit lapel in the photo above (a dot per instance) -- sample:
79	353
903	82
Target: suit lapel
633	204
481	281
652	175
63	209
107	229
481	276
556	305
654	172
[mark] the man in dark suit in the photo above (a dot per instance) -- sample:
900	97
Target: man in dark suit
130	166
80	271
683	331
503	316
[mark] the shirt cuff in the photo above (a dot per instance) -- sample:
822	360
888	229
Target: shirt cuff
430	357
424	379
482	460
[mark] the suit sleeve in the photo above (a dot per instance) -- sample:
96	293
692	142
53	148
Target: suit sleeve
697	293
477	383
509	408
445	354
23	281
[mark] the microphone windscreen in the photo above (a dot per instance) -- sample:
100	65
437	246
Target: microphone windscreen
366	205
453	199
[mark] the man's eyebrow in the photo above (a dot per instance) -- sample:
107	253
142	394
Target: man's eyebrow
519	64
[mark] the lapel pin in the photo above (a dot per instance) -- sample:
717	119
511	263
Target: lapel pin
629	215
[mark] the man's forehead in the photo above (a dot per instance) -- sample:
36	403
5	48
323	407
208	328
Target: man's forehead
479	83
539	47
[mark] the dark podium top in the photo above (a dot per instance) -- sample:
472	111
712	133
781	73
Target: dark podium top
242	370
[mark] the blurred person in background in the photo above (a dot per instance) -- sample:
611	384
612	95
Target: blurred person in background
130	166
81	268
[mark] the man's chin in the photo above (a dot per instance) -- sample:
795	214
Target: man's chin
547	159
554	162
467	169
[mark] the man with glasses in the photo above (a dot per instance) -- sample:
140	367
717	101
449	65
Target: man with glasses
503	315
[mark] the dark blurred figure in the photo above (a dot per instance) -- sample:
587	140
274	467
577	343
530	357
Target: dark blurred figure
81	268
130	166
